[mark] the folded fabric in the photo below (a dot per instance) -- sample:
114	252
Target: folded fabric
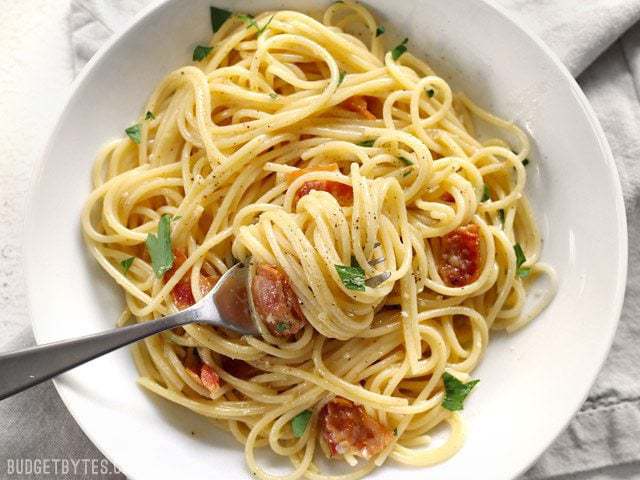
599	41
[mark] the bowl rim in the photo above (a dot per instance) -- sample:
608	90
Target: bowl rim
589	113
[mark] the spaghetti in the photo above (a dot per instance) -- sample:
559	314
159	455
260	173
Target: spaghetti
390	239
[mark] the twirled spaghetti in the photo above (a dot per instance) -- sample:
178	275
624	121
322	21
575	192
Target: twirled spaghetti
354	177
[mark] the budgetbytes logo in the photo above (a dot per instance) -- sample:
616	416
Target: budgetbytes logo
84	467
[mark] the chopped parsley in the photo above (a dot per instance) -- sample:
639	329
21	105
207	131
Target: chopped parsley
354	262
486	194
407	173
149	116
176	218
134	133
352	277
341	77
265	25
218	17
430	93
379	30
299	423
405	160
159	247
366	143
501	216
525	162
250	21
520	259
455	392
273	96
398	50
523	272
201	52
281	327
126	264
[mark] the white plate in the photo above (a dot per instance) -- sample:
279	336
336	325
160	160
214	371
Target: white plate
532	381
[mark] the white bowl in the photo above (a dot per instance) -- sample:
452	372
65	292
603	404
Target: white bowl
532	381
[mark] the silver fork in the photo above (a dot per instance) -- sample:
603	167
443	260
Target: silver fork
226	305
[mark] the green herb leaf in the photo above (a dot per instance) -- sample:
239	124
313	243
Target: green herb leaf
134	133
407	173
159	247
520	259
525	162
341	77
201	52
149	116
176	218
486	194
501	216
261	30
455	392
250	21
273	96
299	423
354	262
397	52
281	327
405	160
126	264
352	277
218	17
431	92
366	143
379	30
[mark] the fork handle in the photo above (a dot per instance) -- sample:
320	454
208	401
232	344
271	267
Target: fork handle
25	368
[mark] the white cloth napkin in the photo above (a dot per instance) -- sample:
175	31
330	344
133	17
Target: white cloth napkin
599	41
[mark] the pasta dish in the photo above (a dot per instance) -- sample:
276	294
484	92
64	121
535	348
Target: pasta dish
389	238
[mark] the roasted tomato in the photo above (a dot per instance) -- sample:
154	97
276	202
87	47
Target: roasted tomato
209	378
343	193
359	105
182	294
347	428
447	197
460	256
201	372
238	368
275	301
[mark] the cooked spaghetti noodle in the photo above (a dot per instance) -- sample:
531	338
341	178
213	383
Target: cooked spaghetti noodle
355	176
